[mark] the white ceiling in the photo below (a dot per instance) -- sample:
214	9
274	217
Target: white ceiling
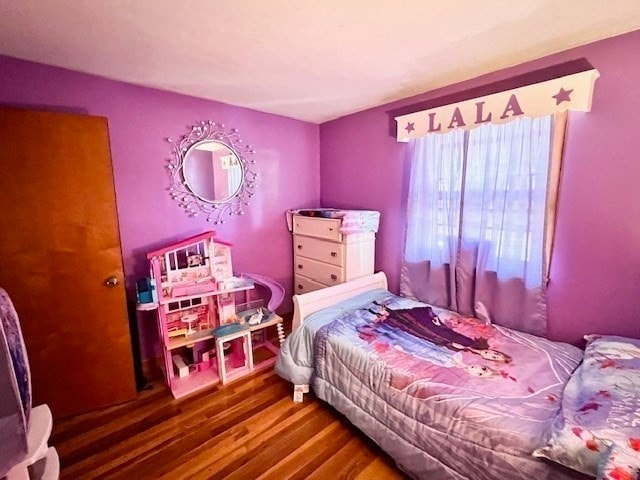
313	60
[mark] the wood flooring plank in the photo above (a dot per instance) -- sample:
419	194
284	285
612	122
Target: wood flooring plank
248	459
348	462
69	428
187	434
314	452
249	429
146	432
240	437
381	469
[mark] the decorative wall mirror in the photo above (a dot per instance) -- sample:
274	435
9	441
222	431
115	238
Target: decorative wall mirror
210	172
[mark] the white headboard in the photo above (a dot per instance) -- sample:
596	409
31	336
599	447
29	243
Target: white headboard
308	303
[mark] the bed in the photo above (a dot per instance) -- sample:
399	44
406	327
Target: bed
447	397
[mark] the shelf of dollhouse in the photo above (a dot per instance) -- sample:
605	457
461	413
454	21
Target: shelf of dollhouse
270	321
239	330
212	293
248	356
194	381
264	355
264	352
233	373
177	342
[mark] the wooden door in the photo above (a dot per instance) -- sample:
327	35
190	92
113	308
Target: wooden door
59	243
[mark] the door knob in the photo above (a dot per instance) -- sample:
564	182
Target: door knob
111	282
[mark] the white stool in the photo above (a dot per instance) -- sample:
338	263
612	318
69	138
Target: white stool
41	461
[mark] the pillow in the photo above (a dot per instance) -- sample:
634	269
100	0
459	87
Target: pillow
619	464
599	420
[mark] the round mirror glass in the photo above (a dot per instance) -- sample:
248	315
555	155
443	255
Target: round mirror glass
212	171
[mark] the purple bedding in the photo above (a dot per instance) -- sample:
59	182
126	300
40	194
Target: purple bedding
446	396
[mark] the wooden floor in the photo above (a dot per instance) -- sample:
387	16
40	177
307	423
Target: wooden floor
250	429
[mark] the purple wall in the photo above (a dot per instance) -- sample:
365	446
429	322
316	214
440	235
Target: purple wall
595	274
140	119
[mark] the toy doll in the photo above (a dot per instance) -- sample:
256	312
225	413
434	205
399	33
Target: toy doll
422	322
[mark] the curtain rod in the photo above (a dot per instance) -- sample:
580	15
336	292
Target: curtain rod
529	78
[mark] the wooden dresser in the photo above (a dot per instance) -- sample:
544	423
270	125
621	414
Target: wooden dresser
322	256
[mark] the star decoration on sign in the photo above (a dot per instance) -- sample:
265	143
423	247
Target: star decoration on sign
410	127
562	96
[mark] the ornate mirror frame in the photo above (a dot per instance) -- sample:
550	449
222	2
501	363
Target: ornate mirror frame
194	203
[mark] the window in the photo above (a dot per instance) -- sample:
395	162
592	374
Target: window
505	195
484	190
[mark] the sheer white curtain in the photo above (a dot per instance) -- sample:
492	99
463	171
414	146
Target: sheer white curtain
475	238
433	221
234	177
435	198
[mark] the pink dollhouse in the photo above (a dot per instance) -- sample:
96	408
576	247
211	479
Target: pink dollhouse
196	295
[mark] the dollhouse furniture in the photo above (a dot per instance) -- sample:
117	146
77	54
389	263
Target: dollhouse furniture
331	247
24	431
196	295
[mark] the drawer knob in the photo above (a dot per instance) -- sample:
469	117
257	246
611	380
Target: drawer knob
334	276
299	247
299	287
300	266
334	254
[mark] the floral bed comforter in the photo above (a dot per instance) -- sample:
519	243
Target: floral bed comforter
446	396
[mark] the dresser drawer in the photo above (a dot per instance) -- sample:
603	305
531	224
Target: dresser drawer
316	249
328	228
305	285
320	272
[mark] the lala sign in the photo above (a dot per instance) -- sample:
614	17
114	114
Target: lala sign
572	92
